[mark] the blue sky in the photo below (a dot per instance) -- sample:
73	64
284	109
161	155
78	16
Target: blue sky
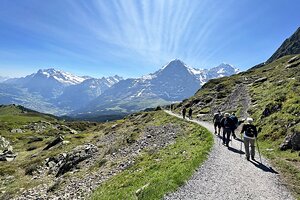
135	37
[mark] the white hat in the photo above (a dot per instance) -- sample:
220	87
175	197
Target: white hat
249	120
226	114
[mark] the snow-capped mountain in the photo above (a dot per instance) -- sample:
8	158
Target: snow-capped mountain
221	71
76	96
61	76
61	91
48	83
173	82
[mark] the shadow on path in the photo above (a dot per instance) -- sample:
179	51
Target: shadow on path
263	167
235	150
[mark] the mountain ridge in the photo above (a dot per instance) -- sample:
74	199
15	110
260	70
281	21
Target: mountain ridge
173	82
60	92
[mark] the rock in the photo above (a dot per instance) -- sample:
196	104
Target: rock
260	80
78	155
8	155
72	131
65	142
34	139
293	59
114	126
291	141
56	141
4	144
17	130
292	65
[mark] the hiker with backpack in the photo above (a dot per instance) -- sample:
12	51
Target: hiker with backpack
183	112
250	134
227	124
236	124
190	113
217	121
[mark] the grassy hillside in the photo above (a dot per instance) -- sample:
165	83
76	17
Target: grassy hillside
273	88
159	161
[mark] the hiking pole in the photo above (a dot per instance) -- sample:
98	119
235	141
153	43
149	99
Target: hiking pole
258	150
241	146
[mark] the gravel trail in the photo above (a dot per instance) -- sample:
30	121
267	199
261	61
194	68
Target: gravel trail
228	175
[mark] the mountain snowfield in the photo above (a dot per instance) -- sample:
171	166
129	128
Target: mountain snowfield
62	93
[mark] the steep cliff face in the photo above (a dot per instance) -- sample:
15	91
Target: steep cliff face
289	47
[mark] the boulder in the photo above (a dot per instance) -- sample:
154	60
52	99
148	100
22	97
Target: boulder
8	155
293	59
16	130
4	144
65	162
261	80
78	155
292	65
291	141
56	141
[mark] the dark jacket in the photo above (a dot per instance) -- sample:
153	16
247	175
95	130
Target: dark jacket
226	122
217	117
249	130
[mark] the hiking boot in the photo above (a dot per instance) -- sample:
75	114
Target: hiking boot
252	158
248	158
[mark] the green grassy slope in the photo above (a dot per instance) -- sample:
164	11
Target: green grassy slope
176	162
164	170
275	86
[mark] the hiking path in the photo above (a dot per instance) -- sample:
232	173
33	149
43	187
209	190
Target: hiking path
226	174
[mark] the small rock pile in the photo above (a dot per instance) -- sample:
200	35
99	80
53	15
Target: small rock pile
62	163
6	150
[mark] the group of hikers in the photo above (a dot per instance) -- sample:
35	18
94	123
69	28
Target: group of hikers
184	113
229	123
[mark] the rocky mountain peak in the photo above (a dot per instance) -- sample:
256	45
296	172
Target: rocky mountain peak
290	46
175	64
60	76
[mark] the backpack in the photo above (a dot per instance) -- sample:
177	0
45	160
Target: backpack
235	121
228	123
217	117
250	131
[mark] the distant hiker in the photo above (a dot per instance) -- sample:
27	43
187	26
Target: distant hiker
250	133
217	121
183	112
236	124
171	107
190	113
227	124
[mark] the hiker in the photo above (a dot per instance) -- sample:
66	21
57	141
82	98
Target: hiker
217	121
236	124
250	134
227	124
183	112
190	113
